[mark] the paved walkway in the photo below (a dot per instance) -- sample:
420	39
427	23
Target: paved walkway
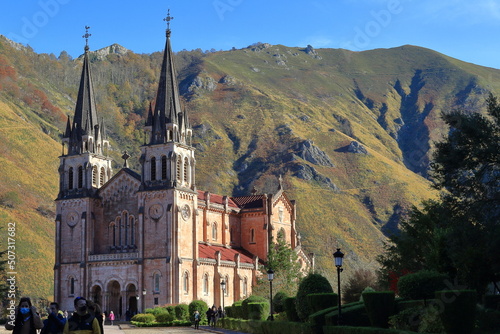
126	329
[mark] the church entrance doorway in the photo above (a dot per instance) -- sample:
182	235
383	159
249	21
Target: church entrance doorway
97	295
114	299
132	301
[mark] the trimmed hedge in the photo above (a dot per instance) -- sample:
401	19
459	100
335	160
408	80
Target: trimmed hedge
291	310
379	306
200	306
458	310
402	305
353	314
312	283
164	317
321	301
251	299
144	317
258	311
175	323
421	285
182	311
279	301
360	330
237	309
266	327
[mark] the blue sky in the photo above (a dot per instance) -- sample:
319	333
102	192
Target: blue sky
465	29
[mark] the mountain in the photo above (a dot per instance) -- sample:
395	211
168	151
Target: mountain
350	132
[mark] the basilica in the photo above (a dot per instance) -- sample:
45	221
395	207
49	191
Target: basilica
131	240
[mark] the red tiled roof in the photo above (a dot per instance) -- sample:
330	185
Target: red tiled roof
227	254
214	198
249	202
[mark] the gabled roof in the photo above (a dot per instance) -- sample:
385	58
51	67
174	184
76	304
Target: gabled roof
122	171
227	254
250	202
217	199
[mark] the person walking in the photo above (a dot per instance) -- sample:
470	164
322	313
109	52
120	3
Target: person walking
55	322
81	322
111	317
197	318
27	320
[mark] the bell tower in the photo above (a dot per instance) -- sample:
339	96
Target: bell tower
84	164
168	157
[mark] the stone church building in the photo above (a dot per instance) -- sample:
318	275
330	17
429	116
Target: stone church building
130	240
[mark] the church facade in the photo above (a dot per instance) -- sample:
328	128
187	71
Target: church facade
131	241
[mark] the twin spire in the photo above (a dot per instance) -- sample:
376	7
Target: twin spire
166	122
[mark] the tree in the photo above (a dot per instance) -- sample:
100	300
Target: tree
359	281
459	234
284	261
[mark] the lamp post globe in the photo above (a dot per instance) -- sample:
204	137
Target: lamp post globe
223	286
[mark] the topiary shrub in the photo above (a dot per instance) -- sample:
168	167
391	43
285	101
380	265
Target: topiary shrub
492	302
251	299
237	309
278	301
200	306
164	317
379	306
421	285
258	311
312	283
458	310
291	309
321	301
182	312
144	317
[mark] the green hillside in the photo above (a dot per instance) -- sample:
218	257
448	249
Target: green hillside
351	133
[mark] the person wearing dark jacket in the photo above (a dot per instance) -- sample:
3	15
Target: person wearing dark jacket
54	324
82	322
27	320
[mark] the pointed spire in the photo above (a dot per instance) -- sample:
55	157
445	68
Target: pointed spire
67	133
167	108
85	109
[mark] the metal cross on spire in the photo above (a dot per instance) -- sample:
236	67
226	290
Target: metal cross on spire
168	19
86	36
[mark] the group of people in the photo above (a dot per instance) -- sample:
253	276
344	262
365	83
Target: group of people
87	319
214	314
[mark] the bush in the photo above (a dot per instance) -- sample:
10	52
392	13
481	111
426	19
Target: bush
321	301
359	330
421	285
379	306
237	310
278	301
144	317
312	283
252	299
182	312
291	310
458	314
164	317
258	311
353	314
488	319
200	306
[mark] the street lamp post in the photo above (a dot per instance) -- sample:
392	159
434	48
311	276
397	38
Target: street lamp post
143	299
270	277
339	257
223	286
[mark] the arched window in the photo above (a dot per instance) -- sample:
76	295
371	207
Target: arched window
102	176
94	176
245	286
205	284
156	282
132	230
186	165
118	223
80	177
163	167
112	232
70	178
153	168
125	227
214	231
178	169
226	291
252	236
72	286
185	282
